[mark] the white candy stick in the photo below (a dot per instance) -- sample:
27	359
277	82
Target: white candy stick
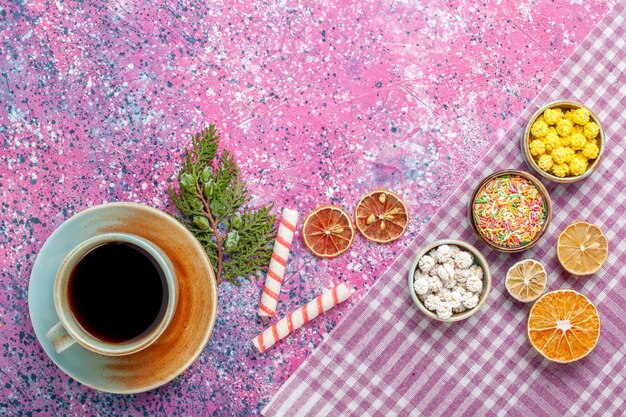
276	270
297	318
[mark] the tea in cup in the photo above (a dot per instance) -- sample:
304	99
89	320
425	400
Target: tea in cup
115	294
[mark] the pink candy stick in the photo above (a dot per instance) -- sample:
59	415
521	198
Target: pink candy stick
297	318
276	270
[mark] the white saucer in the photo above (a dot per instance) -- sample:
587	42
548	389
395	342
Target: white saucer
192	324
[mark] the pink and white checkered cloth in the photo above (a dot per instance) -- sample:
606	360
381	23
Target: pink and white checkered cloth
387	359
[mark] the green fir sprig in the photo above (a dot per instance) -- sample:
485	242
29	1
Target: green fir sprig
211	201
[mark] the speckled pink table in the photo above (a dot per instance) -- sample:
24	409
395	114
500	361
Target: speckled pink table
319	103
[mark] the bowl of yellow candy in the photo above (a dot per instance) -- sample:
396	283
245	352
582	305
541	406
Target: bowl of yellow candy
563	142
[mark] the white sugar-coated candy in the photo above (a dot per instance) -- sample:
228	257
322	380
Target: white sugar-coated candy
426	263
477	271
449	283
470	300
432	301
449	266
444	311
443	253
434	284
455	299
421	284
459	289
463	259
442	272
419	274
474	284
461	275
461	308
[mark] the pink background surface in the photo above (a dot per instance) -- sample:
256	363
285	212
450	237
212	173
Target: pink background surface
320	104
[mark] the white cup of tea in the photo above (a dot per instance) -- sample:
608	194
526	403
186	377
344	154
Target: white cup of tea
115	294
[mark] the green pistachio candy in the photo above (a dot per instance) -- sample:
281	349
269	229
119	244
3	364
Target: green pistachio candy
201	222
187	182
232	238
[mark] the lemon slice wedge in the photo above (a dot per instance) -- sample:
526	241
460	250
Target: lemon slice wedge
582	248
526	280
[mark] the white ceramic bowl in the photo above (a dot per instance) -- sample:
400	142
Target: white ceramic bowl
479	260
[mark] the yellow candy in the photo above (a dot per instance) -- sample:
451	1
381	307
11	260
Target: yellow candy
577	141
552	131
590	150
580	116
560	170
591	130
578	165
559	155
551	140
545	162
551	116
537	147
562	142
539	128
564	127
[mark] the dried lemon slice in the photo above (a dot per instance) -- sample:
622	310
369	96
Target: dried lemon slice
563	326
327	231
526	280
582	248
381	216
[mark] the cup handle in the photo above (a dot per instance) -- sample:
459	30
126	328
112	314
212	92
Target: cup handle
60	338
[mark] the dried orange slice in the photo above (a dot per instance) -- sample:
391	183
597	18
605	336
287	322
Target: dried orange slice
381	216
526	280
563	326
327	231
582	248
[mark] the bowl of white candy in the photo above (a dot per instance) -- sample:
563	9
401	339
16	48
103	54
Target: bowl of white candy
449	280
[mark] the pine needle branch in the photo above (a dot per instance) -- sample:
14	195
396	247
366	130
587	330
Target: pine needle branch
211	200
